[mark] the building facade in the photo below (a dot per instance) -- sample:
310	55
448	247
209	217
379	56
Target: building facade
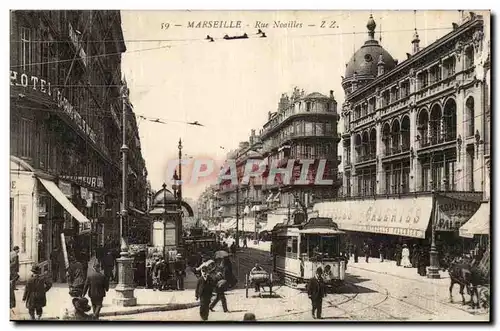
303	127
66	108
417	128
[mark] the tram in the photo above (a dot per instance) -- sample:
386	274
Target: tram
298	250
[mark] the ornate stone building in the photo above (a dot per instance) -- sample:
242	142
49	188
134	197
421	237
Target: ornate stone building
65	132
416	136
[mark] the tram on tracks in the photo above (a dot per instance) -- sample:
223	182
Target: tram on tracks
298	250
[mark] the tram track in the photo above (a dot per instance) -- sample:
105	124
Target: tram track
248	262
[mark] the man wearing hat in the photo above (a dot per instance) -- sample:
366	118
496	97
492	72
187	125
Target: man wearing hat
180	271
97	285
34	292
204	290
316	291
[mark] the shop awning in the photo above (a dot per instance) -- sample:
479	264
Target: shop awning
408	217
64	202
479	223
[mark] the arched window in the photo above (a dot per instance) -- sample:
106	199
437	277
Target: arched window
450	120
423	127
395	133
405	133
469	105
386	138
469	57
373	143
435	125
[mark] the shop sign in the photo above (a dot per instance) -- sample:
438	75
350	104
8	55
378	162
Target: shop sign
83	193
170	237
43	86
452	214
90	181
65	188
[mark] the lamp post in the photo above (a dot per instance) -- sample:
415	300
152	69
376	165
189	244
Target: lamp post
125	288
433	270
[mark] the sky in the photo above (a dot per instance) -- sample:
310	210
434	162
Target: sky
229	86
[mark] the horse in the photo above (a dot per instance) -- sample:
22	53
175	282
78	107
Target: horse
466	276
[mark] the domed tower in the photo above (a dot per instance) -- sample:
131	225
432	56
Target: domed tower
365	64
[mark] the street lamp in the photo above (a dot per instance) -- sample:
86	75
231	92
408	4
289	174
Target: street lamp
433	270
125	287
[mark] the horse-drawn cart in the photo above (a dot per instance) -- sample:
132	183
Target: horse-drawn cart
261	280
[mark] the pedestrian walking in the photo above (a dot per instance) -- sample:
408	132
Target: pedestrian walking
414	256
398	255
108	262
381	251
405	257
14	262
54	264
76	277
13	280
35	293
423	260
366	251
157	274
97	285
180	272
245	244
80	309
204	290
356	253
316	292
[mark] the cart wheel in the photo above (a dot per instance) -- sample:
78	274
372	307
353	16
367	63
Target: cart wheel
246	285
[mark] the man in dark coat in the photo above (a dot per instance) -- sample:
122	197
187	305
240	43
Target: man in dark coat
356	253
316	292
366	251
14	262
180	272
35	292
76	278
204	290
97	285
398	255
54	261
108	262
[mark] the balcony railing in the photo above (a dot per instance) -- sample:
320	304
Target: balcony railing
436	140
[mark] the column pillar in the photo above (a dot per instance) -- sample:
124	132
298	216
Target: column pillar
460	168
354	180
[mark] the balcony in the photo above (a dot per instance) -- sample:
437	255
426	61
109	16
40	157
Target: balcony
394	106
426	141
280	120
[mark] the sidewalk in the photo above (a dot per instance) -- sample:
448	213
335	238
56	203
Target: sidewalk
147	301
390	268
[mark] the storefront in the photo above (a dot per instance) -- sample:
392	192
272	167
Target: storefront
408	220
24	214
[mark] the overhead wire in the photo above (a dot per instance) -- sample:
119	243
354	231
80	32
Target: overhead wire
199	40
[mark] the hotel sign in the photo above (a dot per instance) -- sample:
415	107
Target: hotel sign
38	84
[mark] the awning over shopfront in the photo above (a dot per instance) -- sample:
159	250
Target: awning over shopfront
479	223
408	217
65	203
246	224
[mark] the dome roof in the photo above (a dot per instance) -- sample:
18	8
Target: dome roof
365	60
316	95
163	195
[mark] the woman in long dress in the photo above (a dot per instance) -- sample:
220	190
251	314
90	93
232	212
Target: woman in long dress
405	261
